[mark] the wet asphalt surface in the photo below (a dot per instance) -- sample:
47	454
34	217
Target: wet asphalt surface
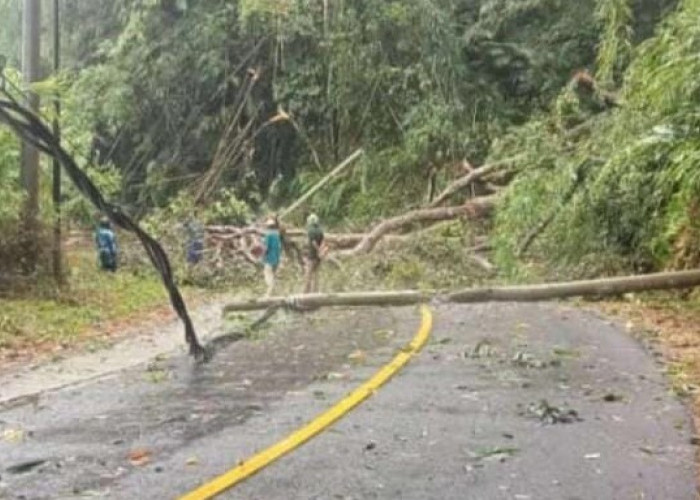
506	402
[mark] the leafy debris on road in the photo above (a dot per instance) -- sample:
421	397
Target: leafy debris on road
156	373
24	467
549	414
384	334
139	457
496	454
612	397
562	352
483	349
13	435
527	360
358	357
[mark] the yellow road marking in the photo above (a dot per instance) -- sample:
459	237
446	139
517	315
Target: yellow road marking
264	458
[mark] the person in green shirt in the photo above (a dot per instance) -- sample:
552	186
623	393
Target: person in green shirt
314	253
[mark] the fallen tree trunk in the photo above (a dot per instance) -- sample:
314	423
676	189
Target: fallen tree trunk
604	287
337	241
317	300
473	209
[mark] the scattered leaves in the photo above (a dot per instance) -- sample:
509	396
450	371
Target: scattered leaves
357	357
483	349
499	454
549	414
139	457
13	435
611	397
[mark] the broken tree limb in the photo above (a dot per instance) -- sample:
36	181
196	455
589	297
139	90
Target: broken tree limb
332	175
332	299
462	182
473	175
337	241
473	209
603	287
482	262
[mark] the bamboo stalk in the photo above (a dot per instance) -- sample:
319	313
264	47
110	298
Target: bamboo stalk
311	301
332	175
604	287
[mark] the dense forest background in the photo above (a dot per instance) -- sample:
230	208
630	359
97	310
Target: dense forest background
240	106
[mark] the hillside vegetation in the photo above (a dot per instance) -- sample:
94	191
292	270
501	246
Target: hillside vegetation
240	107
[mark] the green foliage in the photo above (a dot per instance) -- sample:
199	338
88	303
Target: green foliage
616	40
418	84
638	203
152	87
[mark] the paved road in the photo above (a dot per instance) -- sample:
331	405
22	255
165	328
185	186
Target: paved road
466	419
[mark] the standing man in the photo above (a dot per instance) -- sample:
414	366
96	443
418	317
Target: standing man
272	250
195	239
106	243
314	253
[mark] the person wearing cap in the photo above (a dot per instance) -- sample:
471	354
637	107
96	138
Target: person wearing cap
314	253
272	251
106	243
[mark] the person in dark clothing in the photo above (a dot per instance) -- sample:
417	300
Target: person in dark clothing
106	242
195	240
314	253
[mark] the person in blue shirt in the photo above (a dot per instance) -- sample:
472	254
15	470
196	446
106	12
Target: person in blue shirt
272	251
106	242
195	240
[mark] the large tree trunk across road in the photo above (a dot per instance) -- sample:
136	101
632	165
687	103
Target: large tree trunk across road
603	287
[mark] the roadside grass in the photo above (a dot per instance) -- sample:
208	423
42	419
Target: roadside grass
44	317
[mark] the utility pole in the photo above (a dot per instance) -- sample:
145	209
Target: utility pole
31	39
56	191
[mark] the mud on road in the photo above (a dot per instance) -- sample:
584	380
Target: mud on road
506	402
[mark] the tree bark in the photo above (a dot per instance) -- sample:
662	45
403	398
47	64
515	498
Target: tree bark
474	209
604	287
57	254
312	301
31	39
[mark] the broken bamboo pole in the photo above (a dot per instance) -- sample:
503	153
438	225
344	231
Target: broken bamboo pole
604	287
312	301
334	174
